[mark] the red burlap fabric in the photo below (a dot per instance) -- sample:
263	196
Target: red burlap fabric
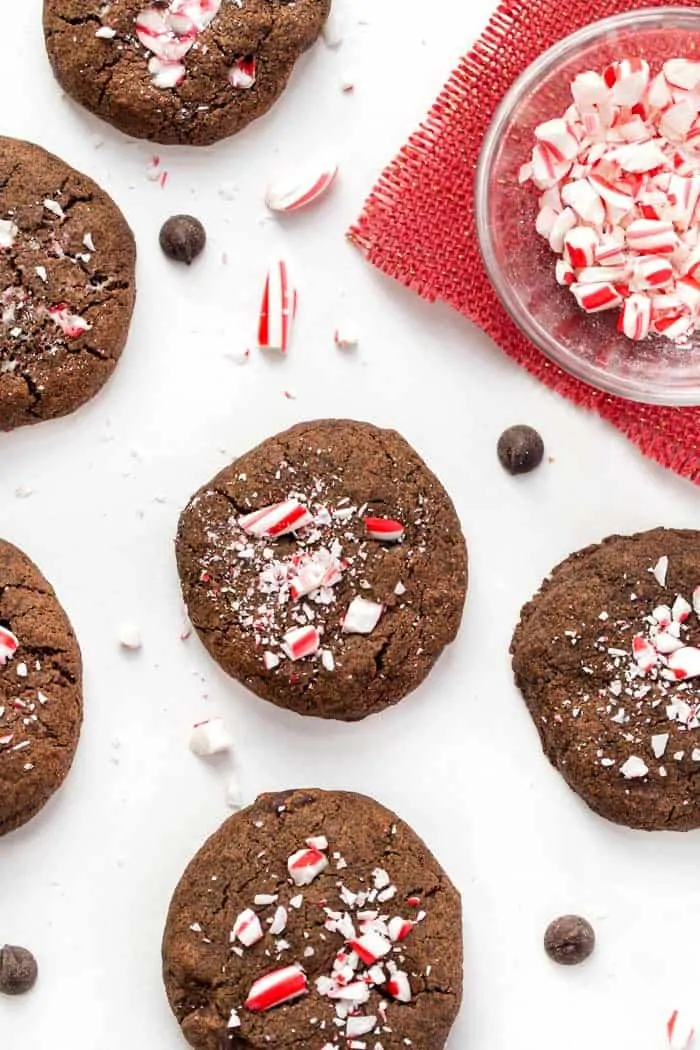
418	224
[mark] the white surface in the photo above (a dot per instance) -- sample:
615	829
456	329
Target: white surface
87	884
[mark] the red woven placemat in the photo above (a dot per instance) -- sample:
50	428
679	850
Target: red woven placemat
418	224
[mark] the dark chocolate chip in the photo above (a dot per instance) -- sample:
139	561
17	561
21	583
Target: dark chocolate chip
18	970
520	449
569	940
182	238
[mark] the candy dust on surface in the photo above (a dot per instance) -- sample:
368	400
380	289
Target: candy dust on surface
620	204
281	568
652	693
365	982
34	321
20	717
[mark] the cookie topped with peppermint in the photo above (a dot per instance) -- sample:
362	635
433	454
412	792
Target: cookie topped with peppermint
67	288
607	657
326	569
318	920
41	702
179	71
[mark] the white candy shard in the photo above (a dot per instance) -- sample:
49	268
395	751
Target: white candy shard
362	616
633	768
247	929
660	571
129	635
210	738
659	743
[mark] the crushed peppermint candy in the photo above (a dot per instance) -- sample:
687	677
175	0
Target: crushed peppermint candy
281	570
278	309
370	957
619	175
210	738
681	1034
300	192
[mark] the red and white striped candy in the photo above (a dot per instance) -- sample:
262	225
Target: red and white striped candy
277	519
611	194
631	81
305	865
636	317
596	297
610	250
678	119
399	987
602	275
682	73
688	291
280	986
317	842
362	616
681	1036
560	139
589	90
301	642
247	928
581	195
564	272
70	324
685	663
580	246
166	74
653	236
399	928
639	157
300	192
371	947
546	169
385	529
243	74
9	643
650	271
278	310
644	653
681	609
563	222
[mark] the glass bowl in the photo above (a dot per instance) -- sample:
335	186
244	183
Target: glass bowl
520	263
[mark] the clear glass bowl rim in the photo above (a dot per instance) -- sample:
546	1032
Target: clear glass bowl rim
631	389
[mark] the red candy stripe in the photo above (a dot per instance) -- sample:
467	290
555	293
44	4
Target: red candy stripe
385	529
280	986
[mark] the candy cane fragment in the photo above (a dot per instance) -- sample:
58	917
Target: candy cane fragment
280	986
278	310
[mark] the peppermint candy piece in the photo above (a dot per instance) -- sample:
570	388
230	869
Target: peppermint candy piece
210	738
278	310
684	663
644	653
681	1036
399	928
9	644
300	192
362	616
301	642
359	1026
306	865
659	743
681	609
399	987
276	520
385	529
8	233
371	947
634	768
243	74
247	929
280	986
129	635
70	324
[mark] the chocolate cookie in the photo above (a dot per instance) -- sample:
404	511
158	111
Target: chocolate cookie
41	702
326	569
607	656
179	71
66	285
314	920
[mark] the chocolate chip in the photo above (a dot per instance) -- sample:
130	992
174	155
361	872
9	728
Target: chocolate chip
569	940
520	449
182	238
18	970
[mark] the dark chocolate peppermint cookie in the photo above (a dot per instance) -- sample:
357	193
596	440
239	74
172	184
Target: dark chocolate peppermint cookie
314	920
179	71
41	702
607	656
66	285
326	569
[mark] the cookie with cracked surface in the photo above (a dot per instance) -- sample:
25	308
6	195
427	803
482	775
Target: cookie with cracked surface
326	569
41	702
607	657
67	289
179	71
313	919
